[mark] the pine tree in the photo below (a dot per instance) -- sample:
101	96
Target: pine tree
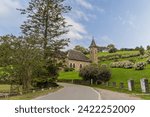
46	23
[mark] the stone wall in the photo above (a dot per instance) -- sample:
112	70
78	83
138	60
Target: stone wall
76	64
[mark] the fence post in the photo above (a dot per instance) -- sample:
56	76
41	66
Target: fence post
121	85
91	81
144	85
114	84
108	84
130	85
72	81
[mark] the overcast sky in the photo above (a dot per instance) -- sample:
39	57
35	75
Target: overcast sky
125	23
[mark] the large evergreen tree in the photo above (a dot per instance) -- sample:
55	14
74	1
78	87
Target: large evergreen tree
46	23
46	26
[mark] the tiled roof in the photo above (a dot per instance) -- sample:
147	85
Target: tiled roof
76	55
93	44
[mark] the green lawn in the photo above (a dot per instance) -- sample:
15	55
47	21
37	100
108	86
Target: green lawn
118	75
69	75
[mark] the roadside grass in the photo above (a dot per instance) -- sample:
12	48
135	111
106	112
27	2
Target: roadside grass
4	88
134	93
31	95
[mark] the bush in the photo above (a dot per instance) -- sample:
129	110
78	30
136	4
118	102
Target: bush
117	56
67	69
104	74
122	64
95	72
112	50
128	64
140	66
148	61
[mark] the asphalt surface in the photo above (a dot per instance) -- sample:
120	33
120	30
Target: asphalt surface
72	92
111	95
79	92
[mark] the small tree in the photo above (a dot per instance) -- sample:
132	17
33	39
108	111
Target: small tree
141	50
81	49
148	47
89	72
95	72
104	73
111	48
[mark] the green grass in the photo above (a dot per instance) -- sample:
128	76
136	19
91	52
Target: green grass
118	52
30	96
4	88
118	75
69	75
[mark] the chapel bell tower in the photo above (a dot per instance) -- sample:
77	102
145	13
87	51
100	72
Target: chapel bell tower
93	52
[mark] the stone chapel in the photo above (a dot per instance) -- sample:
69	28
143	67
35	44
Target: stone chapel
77	60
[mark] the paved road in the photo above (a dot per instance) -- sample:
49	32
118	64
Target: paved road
79	92
111	95
72	92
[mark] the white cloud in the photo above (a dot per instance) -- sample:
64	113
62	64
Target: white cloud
85	4
7	6
128	19
77	30
80	15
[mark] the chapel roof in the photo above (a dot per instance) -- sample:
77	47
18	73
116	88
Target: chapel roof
93	44
78	56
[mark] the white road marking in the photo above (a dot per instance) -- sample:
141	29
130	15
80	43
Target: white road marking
98	93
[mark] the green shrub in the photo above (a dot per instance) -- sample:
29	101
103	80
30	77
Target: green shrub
95	72
122	64
128	64
148	61
67	69
140	66
104	73
118	56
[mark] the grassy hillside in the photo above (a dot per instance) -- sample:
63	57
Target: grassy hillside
118	74
118	52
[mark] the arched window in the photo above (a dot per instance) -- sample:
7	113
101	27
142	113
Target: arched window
70	65
80	66
74	65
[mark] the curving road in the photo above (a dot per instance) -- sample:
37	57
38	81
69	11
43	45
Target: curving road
72	92
79	92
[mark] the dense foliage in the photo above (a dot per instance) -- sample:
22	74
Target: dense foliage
97	73
140	66
122	64
118	56
34	58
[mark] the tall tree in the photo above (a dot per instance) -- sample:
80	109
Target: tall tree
20	58
111	48
46	23
81	49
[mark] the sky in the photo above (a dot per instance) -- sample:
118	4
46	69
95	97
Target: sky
124	23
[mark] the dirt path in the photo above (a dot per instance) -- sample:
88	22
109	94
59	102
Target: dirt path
111	95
